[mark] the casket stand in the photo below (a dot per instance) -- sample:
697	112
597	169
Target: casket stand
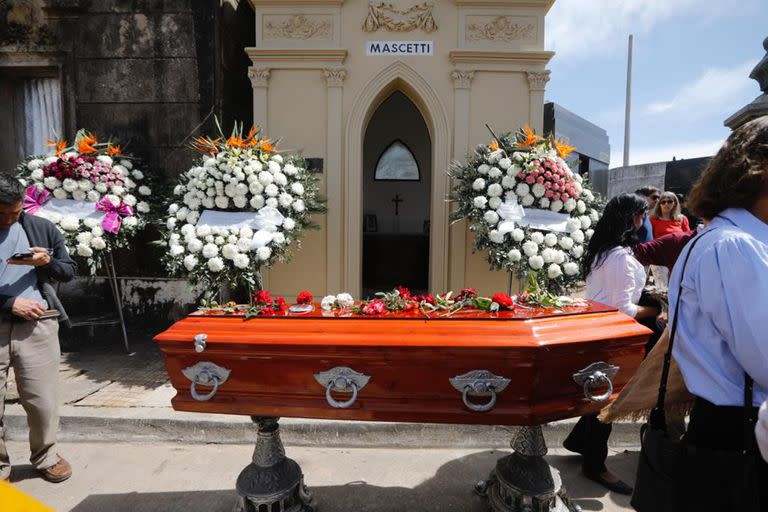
525	367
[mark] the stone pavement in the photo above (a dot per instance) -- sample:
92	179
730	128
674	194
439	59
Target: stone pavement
171	477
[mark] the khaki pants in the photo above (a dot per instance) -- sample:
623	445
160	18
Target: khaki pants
32	347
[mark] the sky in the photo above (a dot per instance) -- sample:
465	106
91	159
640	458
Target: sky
691	65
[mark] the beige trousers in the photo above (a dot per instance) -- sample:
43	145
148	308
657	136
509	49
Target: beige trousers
32	348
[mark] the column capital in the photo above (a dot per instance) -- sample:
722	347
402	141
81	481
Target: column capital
259	76
334	77
462	78
537	80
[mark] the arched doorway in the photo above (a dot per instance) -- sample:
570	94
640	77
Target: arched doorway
397	182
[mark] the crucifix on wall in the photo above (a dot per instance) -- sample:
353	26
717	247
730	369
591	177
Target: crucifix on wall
397	200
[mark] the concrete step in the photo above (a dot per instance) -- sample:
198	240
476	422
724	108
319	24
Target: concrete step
163	424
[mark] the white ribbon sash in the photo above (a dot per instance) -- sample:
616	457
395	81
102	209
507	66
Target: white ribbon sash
264	222
71	208
545	220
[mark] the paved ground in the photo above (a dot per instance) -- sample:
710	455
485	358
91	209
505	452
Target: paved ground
169	477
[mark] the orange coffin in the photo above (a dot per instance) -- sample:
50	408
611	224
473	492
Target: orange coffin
403	366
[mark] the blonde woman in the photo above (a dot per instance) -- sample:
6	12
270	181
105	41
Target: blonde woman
667	217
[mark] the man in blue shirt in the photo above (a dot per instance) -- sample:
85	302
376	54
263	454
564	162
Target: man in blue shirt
30	313
652	195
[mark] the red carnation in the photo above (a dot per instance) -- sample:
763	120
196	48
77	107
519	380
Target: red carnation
280	303
404	292
304	297
504	300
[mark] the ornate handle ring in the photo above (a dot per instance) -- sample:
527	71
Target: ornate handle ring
596	380
206	377
594	376
479	407
345	383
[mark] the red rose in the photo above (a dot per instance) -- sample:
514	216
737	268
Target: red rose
304	297
280	303
262	297
467	293
429	299
503	300
404	292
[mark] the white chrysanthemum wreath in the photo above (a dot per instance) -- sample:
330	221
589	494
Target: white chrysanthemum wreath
91	191
528	210
239	208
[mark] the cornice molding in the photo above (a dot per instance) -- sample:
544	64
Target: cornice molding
546	4
531	58
310	58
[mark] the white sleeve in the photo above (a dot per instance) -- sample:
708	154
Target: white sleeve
620	275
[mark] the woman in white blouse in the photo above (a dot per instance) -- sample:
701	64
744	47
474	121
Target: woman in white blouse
614	277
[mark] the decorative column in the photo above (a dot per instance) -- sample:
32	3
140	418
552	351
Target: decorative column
260	83
462	83
334	78
537	83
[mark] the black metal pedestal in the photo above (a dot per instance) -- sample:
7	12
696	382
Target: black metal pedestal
272	482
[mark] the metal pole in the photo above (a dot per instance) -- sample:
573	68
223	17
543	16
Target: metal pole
628	108
118	301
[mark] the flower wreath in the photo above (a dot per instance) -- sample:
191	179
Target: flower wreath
91	191
239	207
528	210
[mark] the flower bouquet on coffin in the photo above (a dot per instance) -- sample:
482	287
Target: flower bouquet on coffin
92	191
527	209
242	206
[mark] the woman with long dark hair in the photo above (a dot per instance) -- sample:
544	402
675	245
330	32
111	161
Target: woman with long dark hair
614	277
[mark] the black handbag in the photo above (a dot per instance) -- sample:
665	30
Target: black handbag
673	475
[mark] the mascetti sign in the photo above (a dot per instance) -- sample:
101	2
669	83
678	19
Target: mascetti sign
399	47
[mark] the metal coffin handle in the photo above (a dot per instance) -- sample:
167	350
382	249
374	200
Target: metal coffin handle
596	375
344	380
205	374
200	342
479	383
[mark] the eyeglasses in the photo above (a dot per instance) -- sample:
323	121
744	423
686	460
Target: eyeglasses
667	201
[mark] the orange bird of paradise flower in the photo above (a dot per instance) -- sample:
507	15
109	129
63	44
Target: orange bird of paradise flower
235	141
114	150
60	145
206	144
494	145
529	137
85	145
266	146
563	149
250	140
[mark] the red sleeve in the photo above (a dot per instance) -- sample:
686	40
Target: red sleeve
686	226
649	253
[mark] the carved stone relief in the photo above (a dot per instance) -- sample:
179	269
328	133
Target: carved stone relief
259	76
386	16
505	29
334	77
537	80
462	79
298	26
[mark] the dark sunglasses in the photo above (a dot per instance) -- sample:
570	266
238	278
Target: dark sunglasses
667	201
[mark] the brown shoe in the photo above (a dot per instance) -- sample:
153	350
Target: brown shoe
58	472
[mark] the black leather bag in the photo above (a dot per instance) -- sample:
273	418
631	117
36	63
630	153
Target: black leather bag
674	476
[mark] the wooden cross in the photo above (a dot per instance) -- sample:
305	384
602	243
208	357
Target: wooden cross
397	202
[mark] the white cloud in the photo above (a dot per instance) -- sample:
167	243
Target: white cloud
718	89
579	29
651	154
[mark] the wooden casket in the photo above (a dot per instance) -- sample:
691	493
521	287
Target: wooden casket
522	367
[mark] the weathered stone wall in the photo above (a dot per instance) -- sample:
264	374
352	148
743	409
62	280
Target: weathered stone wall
145	73
629	179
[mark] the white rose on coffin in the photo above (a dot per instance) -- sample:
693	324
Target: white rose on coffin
345	300
328	302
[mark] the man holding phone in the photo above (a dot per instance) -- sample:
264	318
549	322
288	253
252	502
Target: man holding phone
32	256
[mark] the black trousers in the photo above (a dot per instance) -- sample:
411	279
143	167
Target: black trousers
589	437
709	484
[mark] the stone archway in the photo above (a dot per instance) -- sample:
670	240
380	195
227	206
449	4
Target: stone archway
397	76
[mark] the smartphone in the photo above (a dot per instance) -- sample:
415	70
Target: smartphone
22	255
